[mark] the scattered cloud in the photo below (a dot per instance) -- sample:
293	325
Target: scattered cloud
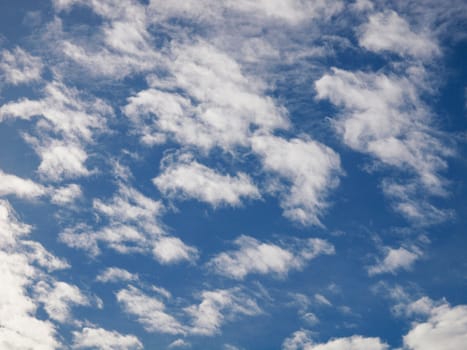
302	340
445	328
23	188
186	178
255	257
150	311
169	250
58	298
383	116
387	31
310	170
179	343
132	226
66	194
217	307
115	274
394	260
99	338
321	299
18	66
21	328
226	120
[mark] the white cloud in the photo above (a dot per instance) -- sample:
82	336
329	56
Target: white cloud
133	227
115	274
395	259
18	66
149	311
301	340
321	299
287	12
38	254
66	194
99	338
21	329
179	343
63	109
23	188
228	104
66	122
169	250
383	116
311	168
130	206
310	318
58	298
446	328
62	160
120	47
408	200
186	178
387	31
217	307
255	257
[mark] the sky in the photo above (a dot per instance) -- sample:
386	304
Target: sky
228	175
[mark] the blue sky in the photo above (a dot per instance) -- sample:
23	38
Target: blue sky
227	175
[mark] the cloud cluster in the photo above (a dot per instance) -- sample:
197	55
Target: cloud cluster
25	266
206	318
132	226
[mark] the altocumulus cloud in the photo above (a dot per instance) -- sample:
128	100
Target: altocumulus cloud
232	174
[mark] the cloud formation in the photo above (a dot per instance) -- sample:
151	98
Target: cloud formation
255	257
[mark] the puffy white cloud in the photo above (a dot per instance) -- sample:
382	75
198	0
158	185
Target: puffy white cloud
63	109
130	206
115	274
18	66
387	31
301	340
149	311
133	227
228	104
310	168
58	298
216	307
36	253
253	256
23	188
383	116
61	160
169	250
186	178
121	47
446	328
395	259
66	194
66	122
102	339
20	328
